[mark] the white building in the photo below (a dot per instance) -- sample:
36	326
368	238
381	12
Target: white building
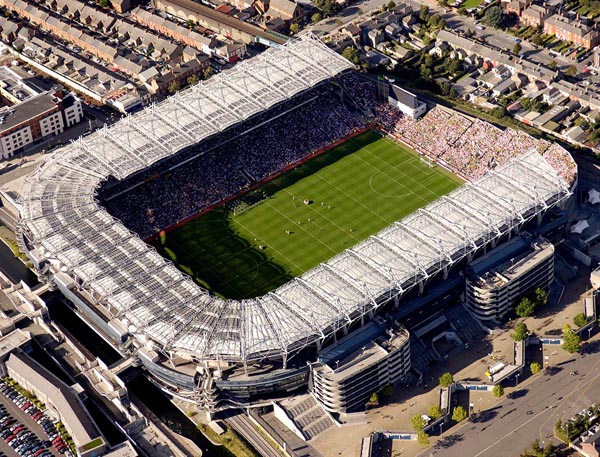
37	118
406	102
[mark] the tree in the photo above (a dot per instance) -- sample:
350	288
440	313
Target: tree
453	66
537	39
535	368
338	22
579	320
418	422
498	112
571	340
520	332
192	80
537	451
374	398
294	28
459	414
391	5
541	297
552	64
517	49
316	17
525	308
207	73
445	87
462	11
190	23
424	14
446	380
435	412
425	72
571	71
173	87
328	6
498	391
437	21
443	3
423	438
351	53
103	3
494	17
388	391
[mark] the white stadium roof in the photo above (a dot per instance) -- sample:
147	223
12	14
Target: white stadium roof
135	284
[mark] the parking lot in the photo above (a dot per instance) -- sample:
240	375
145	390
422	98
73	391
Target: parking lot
25	430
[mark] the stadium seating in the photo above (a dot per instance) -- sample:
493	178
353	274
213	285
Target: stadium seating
469	147
230	163
310	417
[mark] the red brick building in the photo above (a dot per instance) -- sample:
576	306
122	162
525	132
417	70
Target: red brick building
535	15
571	30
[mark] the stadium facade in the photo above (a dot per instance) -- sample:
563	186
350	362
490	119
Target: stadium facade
191	341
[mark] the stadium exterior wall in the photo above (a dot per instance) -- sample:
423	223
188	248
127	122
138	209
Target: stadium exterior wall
343	386
165	312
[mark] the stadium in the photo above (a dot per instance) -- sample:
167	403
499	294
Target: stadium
87	209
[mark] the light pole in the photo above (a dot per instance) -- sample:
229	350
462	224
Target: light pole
479	405
589	333
411	408
517	380
553	354
441	428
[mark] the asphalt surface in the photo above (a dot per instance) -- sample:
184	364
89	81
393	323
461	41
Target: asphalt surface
512	426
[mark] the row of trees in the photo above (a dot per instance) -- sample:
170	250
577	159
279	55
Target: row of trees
571	340
191	81
528	305
328	7
536	450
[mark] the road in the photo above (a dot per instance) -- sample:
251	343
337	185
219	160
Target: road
515	423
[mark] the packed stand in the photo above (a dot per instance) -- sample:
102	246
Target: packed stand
468	147
561	161
220	170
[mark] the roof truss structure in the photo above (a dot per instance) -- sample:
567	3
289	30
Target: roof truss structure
63	220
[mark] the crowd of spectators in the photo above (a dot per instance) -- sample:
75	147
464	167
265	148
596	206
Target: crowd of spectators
561	161
229	163
469	147
472	147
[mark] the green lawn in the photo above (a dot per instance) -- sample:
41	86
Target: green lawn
242	250
471	4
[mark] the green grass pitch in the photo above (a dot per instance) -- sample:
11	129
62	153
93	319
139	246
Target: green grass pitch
242	250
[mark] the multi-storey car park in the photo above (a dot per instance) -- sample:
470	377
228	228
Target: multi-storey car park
188	338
